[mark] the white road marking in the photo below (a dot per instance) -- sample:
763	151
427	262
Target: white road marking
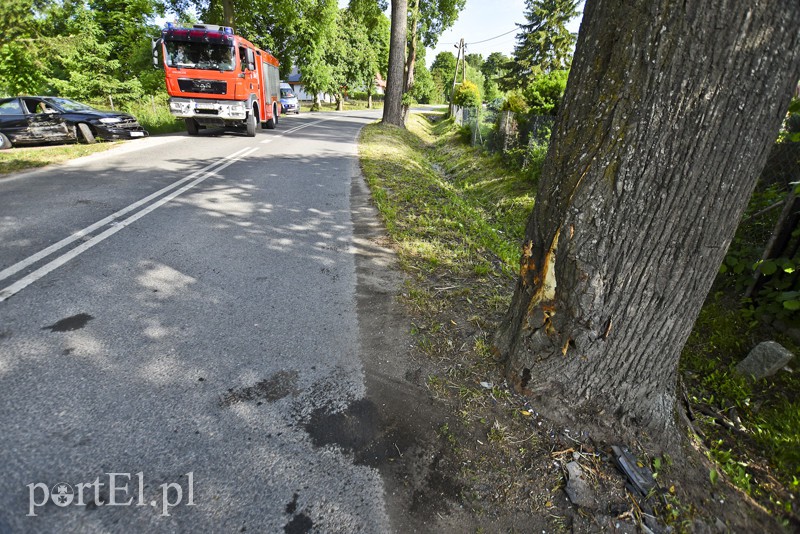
116	226
295	129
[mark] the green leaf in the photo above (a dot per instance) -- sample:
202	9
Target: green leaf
713	476
792	305
768	267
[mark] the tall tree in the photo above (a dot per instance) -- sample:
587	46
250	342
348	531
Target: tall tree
369	14
544	44
427	20
393	101
668	117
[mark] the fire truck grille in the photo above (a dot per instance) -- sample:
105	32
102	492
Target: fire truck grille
203	86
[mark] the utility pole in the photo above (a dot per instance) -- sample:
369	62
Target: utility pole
455	75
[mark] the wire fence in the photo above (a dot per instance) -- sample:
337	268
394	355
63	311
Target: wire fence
522	138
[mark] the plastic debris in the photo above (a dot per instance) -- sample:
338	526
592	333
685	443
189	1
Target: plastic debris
640	477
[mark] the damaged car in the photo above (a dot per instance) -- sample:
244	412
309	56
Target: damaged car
28	120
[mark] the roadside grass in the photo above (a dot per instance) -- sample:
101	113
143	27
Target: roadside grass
22	158
457	218
349	105
439	209
153	114
461	258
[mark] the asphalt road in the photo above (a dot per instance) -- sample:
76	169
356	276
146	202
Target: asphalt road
162	363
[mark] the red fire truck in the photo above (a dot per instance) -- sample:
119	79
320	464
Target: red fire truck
218	79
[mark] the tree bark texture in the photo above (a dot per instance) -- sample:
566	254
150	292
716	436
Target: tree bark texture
228	13
668	116
411	60
393	102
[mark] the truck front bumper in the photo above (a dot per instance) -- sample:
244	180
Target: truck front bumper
210	110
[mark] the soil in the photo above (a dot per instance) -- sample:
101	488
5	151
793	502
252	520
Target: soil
460	452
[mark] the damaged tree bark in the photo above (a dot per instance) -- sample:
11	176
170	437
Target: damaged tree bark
668	117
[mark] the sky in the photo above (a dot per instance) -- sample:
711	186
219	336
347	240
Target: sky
486	20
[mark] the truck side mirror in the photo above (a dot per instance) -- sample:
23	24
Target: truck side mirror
154	45
251	59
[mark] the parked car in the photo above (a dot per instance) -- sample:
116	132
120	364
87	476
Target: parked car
289	100
50	119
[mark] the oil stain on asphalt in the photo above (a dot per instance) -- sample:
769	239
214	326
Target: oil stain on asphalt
277	386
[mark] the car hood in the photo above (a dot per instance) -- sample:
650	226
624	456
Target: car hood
100	115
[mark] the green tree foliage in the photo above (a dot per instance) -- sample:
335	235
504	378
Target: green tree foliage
515	102
90	52
424	90
376	25
19	68
349	55
442	72
495	65
427	20
544	94
83	58
317	33
297	33
475	60
436	16
19	72
544	43
467	95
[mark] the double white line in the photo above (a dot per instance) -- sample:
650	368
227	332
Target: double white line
114	223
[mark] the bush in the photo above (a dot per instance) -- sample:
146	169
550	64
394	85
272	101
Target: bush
544	94
467	95
515	102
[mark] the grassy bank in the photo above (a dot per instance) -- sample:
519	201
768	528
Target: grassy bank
457	219
20	159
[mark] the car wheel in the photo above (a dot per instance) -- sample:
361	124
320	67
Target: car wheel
4	142
86	133
191	126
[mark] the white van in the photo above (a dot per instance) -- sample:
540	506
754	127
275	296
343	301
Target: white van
289	102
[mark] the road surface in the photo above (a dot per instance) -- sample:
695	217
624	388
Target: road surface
179	339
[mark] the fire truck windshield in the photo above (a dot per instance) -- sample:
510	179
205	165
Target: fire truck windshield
205	56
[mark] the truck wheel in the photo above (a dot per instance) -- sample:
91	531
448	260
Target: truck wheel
270	124
4	142
86	133
251	124
191	126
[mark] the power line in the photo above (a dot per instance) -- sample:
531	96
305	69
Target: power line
495	37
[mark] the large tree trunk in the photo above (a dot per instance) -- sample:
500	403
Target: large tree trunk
393	103
411	60
228	13
669	114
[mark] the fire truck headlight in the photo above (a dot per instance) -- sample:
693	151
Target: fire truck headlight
179	107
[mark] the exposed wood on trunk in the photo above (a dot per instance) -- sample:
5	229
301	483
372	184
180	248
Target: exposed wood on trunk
667	120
